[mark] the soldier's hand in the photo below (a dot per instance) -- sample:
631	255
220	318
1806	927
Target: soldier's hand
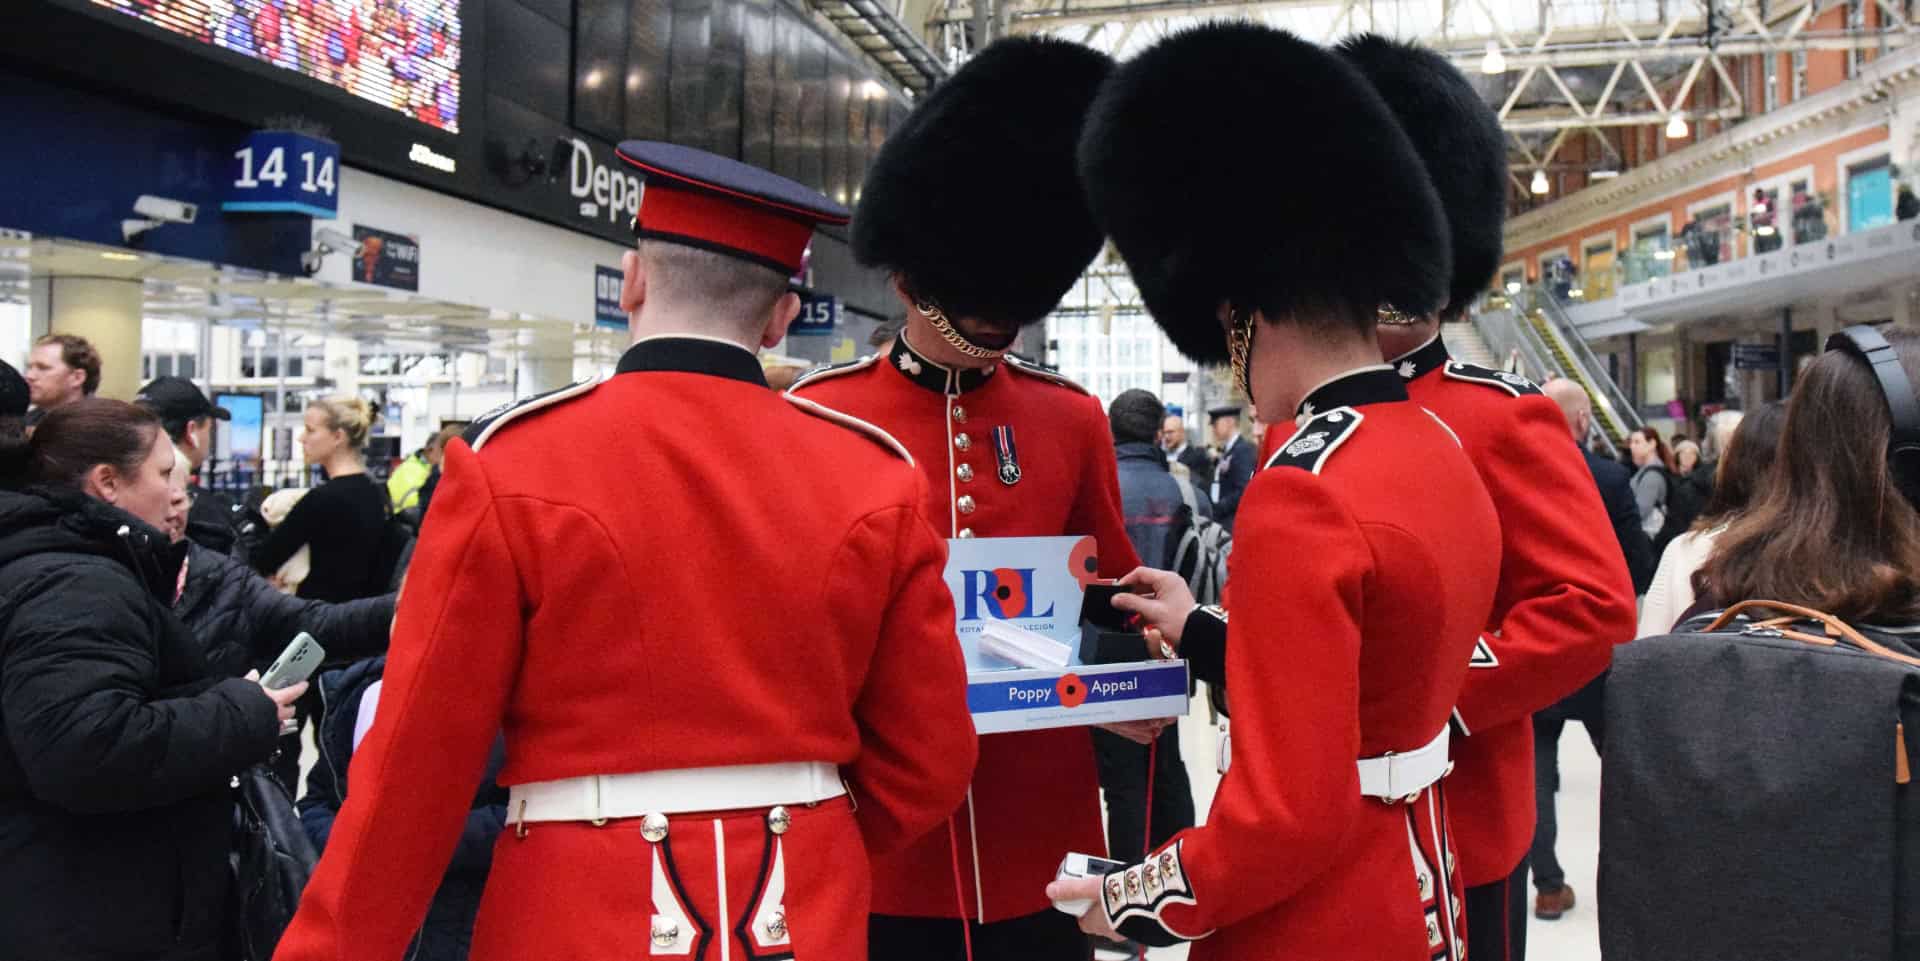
1139	732
1085	889
1161	598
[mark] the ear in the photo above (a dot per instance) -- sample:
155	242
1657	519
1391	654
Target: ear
633	281
784	310
102	482
900	290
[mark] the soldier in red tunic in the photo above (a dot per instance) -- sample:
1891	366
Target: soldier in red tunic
1366	550
712	715
1565	597
974	208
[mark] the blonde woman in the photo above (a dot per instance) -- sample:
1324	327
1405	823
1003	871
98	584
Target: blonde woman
340	521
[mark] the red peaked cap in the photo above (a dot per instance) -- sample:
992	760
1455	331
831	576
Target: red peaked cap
704	200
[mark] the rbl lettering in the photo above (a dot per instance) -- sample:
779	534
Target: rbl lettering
1005	592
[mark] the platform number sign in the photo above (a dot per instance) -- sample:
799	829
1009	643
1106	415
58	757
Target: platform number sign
280	172
606	299
819	314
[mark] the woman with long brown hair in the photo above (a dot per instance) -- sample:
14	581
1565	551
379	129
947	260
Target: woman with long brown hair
1830	529
1652	467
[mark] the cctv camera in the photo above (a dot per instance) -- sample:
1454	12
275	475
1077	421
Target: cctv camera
165	210
131	229
312	260
333	241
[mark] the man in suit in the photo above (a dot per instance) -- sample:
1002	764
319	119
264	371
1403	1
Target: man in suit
1173	438
1234	469
1553	897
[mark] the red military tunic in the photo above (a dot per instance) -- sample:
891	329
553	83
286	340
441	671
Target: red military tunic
617	596
1036	796
1365	559
1565	597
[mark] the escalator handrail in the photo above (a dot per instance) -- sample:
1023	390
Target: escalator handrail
1612	395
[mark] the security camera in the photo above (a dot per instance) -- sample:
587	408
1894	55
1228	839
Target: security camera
326	241
131	229
165	210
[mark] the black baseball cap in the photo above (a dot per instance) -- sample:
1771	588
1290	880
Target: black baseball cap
176	398
13	392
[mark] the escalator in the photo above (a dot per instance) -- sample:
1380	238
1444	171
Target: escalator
1533	337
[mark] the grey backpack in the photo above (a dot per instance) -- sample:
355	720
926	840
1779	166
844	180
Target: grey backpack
1199	553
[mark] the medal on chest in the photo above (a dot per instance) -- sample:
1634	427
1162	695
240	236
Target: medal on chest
1006	455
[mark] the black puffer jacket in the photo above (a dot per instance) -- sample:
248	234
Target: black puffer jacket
116	744
244	622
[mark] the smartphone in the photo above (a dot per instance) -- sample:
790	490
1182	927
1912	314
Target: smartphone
295	664
1097	609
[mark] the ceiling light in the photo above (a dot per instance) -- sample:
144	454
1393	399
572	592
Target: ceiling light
1603	175
1539	184
1764	230
1513	286
115	255
1663	255
1494	62
1676	127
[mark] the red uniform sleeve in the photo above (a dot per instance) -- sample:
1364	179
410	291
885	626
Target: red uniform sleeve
1564	586
1286	804
917	745
456	651
1096	509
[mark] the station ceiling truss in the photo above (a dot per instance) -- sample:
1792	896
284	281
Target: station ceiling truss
1553	69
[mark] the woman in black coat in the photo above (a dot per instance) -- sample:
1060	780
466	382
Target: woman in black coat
117	744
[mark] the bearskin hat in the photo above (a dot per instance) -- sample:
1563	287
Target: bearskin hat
1237	163
974	201
1458	136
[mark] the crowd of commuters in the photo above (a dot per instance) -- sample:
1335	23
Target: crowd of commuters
1431	573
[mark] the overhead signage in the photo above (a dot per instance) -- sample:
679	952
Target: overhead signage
1756	356
426	156
386	259
819	314
606	299
278	171
603	192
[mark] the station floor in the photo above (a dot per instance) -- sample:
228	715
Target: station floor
1575	937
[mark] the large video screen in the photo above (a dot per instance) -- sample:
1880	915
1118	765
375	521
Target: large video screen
400	54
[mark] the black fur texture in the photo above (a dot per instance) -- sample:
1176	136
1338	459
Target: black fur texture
1459	138
1236	163
974	201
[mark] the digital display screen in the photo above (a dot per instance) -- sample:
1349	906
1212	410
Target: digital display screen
400	54
239	439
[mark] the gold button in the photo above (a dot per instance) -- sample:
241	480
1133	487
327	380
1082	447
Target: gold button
666	932
965	503
962	441
966	532
959	414
653	827
965	471
778	820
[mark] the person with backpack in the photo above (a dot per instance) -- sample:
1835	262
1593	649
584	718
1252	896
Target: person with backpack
1668	505
1154	509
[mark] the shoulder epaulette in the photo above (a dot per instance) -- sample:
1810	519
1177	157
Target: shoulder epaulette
818	409
1317	439
1508	381
1043	372
827	371
488	424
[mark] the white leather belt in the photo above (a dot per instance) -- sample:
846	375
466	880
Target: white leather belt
604	797
1400	777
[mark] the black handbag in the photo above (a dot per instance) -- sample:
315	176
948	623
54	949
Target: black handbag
271	860
1756	796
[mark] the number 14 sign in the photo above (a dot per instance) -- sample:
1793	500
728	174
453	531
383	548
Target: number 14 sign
280	172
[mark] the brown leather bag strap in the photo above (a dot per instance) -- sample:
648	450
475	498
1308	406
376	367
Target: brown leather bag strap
1835	628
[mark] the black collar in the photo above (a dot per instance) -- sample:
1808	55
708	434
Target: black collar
951	381
1375	384
1422	360
693	355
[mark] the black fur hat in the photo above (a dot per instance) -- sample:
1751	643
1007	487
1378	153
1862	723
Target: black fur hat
1238	163
974	200
1458	136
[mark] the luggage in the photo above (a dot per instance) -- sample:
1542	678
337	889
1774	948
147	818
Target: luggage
1755	795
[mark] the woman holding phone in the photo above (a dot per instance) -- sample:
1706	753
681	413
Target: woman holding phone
117	743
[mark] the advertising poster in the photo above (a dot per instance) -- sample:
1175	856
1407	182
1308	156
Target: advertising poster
241	436
386	259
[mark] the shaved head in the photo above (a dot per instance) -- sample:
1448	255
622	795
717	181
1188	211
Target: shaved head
1574	403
